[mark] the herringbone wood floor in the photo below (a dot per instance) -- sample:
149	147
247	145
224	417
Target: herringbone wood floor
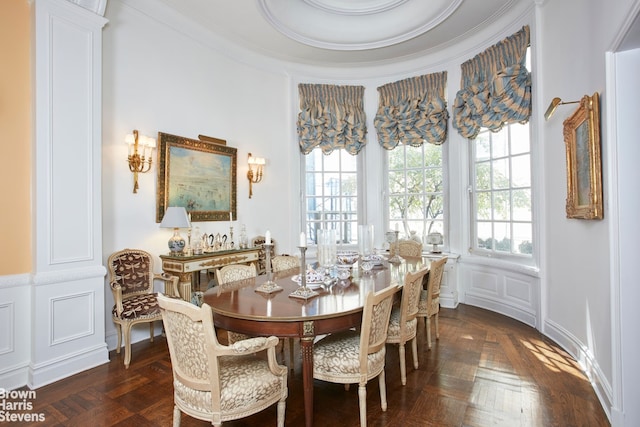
486	370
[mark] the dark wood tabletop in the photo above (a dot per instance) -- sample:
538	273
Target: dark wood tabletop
239	307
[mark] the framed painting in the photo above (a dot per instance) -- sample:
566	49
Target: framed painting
199	175
584	164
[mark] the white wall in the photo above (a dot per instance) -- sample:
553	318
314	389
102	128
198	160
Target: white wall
625	290
159	79
574	36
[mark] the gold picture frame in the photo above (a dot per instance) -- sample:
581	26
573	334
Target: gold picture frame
199	175
584	164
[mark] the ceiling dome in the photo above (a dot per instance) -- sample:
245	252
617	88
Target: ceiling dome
340	32
355	24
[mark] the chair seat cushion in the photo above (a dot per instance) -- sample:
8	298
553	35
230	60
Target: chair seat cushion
138	307
246	383
393	333
422	304
336	359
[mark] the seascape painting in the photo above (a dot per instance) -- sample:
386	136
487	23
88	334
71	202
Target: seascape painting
199	175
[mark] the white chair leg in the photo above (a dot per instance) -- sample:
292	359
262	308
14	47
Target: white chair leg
176	416
403	365
281	411
362	397
414	350
383	391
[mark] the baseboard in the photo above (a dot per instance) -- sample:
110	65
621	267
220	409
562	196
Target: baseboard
57	369
586	360
14	377
498	306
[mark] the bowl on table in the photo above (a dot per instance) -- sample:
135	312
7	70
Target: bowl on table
347	258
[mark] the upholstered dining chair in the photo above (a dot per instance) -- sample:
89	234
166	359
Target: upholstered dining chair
429	305
351	357
406	248
284	262
214	382
403	322
131	279
233	273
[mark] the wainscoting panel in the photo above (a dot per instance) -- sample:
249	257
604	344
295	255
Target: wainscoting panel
497	286
66	328
518	290
65	319
7	320
15	312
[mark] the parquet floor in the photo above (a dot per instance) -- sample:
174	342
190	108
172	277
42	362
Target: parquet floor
486	370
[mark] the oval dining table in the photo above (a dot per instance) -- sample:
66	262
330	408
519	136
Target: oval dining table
238	307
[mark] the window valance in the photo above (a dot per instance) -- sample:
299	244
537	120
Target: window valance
495	87
412	111
331	117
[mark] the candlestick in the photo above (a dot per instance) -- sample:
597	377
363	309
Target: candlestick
303	291
303	240
267	237
269	286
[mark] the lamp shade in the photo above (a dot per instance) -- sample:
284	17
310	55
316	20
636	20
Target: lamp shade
435	238
175	217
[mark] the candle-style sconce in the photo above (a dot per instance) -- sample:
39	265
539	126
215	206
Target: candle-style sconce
140	153
254	174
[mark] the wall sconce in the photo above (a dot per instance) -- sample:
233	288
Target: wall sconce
554	104
254	174
140	151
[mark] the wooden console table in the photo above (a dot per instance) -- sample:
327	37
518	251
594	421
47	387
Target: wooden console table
184	266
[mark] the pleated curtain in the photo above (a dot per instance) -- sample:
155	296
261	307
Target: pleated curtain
495	88
412	111
331	117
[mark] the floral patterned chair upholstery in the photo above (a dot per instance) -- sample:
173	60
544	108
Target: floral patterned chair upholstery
234	273
351	357
406	248
214	382
403	323
429	305
131	279
284	262
280	263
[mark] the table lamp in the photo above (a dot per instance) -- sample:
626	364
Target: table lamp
176	217
435	239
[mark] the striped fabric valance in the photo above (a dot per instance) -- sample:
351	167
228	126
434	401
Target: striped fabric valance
331	117
495	88
412	111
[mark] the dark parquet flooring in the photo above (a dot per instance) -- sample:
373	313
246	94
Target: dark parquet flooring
486	370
